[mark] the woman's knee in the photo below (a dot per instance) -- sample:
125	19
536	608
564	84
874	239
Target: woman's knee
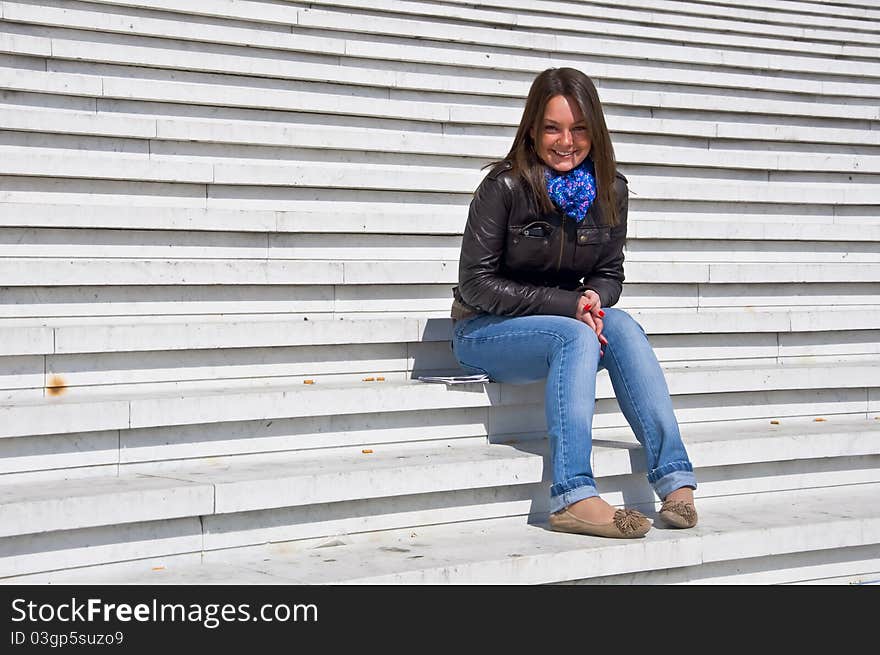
570	330
619	323
575	336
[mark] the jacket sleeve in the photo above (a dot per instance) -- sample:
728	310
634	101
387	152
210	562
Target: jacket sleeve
480	282
607	277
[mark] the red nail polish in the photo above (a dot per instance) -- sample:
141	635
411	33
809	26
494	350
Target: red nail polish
601	313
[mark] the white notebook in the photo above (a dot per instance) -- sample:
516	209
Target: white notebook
455	379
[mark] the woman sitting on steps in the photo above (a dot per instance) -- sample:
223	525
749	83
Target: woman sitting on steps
541	266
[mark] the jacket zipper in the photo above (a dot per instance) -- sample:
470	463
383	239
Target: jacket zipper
561	244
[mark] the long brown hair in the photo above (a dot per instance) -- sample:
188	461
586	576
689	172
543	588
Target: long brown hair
577	87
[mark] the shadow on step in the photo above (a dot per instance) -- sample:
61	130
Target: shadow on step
629	489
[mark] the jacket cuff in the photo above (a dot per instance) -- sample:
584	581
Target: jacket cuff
586	287
563	303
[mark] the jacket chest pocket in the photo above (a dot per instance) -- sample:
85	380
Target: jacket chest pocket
589	242
532	246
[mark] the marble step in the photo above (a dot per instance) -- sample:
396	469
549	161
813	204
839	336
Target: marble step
238	130
737	540
235	485
100	334
92	271
189	403
230	94
397	219
645	244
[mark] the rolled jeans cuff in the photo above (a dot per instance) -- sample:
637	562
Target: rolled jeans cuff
578	489
672	476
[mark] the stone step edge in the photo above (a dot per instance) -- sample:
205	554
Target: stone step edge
219	403
304	479
400	274
63	336
433	220
511	551
853	521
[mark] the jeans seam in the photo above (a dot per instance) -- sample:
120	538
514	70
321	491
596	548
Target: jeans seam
646	443
560	404
512	333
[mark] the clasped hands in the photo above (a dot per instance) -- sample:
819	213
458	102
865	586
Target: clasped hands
590	312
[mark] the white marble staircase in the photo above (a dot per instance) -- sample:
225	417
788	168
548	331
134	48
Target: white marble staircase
228	237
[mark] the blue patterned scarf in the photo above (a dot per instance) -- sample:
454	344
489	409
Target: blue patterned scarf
573	192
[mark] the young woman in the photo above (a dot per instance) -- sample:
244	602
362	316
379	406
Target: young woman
541	266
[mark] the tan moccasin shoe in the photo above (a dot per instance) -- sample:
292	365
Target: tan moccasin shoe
626	524
678	514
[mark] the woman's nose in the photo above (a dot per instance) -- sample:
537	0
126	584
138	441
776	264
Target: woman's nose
565	137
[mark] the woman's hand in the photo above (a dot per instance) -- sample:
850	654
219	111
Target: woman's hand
590	312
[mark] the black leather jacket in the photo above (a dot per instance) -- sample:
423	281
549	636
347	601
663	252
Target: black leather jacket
517	261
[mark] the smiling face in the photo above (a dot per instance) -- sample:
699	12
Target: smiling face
562	141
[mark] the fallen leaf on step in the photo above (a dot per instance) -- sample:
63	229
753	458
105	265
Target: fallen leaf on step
819	418
367	451
308	382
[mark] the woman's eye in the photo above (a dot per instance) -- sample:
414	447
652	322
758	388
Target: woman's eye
550	128
579	129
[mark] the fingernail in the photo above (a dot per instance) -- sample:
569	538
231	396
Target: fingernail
601	313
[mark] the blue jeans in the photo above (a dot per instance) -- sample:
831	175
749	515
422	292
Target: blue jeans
565	351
